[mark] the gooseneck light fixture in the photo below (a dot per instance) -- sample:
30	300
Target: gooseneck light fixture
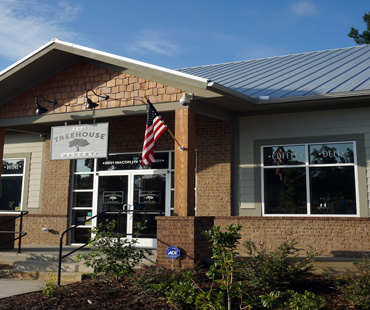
93	105
40	109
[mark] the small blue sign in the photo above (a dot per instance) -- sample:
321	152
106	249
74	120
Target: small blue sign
173	252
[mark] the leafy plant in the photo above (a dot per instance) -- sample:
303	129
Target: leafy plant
112	254
271	300
51	288
182	292
278	269
356	286
306	301
224	245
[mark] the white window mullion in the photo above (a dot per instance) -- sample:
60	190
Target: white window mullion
308	183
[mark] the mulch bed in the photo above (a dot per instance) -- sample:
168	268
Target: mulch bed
104	293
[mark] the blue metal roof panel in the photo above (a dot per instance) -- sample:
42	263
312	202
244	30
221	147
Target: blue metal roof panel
323	72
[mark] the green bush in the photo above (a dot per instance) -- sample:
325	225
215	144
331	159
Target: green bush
278	269
111	253
51	288
306	301
176	287
356	286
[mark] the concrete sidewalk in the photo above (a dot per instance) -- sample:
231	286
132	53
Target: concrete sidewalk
12	287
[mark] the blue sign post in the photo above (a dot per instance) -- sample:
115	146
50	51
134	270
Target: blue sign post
173	253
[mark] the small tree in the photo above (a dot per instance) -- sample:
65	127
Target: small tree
224	245
363	38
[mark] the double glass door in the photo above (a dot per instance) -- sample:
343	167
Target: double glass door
133	200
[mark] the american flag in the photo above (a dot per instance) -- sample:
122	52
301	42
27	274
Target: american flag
155	126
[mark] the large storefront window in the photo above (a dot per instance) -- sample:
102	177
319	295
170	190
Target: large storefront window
309	179
12	175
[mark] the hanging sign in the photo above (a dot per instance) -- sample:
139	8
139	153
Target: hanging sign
173	252
79	141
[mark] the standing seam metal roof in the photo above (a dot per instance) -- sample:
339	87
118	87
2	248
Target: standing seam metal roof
314	73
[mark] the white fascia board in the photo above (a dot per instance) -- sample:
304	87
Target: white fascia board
3	72
130	63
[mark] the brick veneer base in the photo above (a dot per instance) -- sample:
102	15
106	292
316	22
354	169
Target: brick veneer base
186	234
330	236
5	237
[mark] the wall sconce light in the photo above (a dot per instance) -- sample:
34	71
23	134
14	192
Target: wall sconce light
186	99
41	110
93	105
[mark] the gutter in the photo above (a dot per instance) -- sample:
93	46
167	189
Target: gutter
220	89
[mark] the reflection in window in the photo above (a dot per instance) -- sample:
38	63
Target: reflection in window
333	190
11	184
285	195
323	185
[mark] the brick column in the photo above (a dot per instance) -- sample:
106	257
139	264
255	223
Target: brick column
185	233
185	163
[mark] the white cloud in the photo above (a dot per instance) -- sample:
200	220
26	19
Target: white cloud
150	41
26	25
304	8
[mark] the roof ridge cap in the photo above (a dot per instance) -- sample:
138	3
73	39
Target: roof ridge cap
274	57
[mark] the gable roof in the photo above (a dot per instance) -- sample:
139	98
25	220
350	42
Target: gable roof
57	55
330	73
309	78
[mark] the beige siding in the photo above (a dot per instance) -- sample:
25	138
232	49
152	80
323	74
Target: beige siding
31	146
299	128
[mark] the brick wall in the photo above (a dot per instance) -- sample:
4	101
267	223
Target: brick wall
185	234
214	151
331	236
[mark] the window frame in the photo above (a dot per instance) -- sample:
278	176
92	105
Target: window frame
307	165
23	198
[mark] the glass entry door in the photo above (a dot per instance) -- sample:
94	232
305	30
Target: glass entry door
133	200
112	198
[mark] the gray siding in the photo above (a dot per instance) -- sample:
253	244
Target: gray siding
30	147
305	127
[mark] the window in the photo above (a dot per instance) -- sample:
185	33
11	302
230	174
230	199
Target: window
309	179
12	177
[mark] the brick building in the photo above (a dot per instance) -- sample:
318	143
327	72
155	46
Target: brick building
279	145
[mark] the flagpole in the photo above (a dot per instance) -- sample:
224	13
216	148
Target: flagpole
181	148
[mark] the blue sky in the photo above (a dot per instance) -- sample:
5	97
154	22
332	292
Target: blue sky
178	34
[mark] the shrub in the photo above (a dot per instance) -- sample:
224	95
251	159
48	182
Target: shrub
356	286
306	301
278	269
176	287
112	254
51	288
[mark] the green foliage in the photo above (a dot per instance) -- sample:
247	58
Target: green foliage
363	38
272	300
182	292
177	287
278	269
112	254
356	286
51	288
224	245
306	301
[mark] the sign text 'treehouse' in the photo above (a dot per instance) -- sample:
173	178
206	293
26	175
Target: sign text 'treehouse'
79	141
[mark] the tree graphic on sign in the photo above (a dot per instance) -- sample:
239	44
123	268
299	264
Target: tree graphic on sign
78	143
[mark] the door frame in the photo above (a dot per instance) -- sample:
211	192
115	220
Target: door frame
142	242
